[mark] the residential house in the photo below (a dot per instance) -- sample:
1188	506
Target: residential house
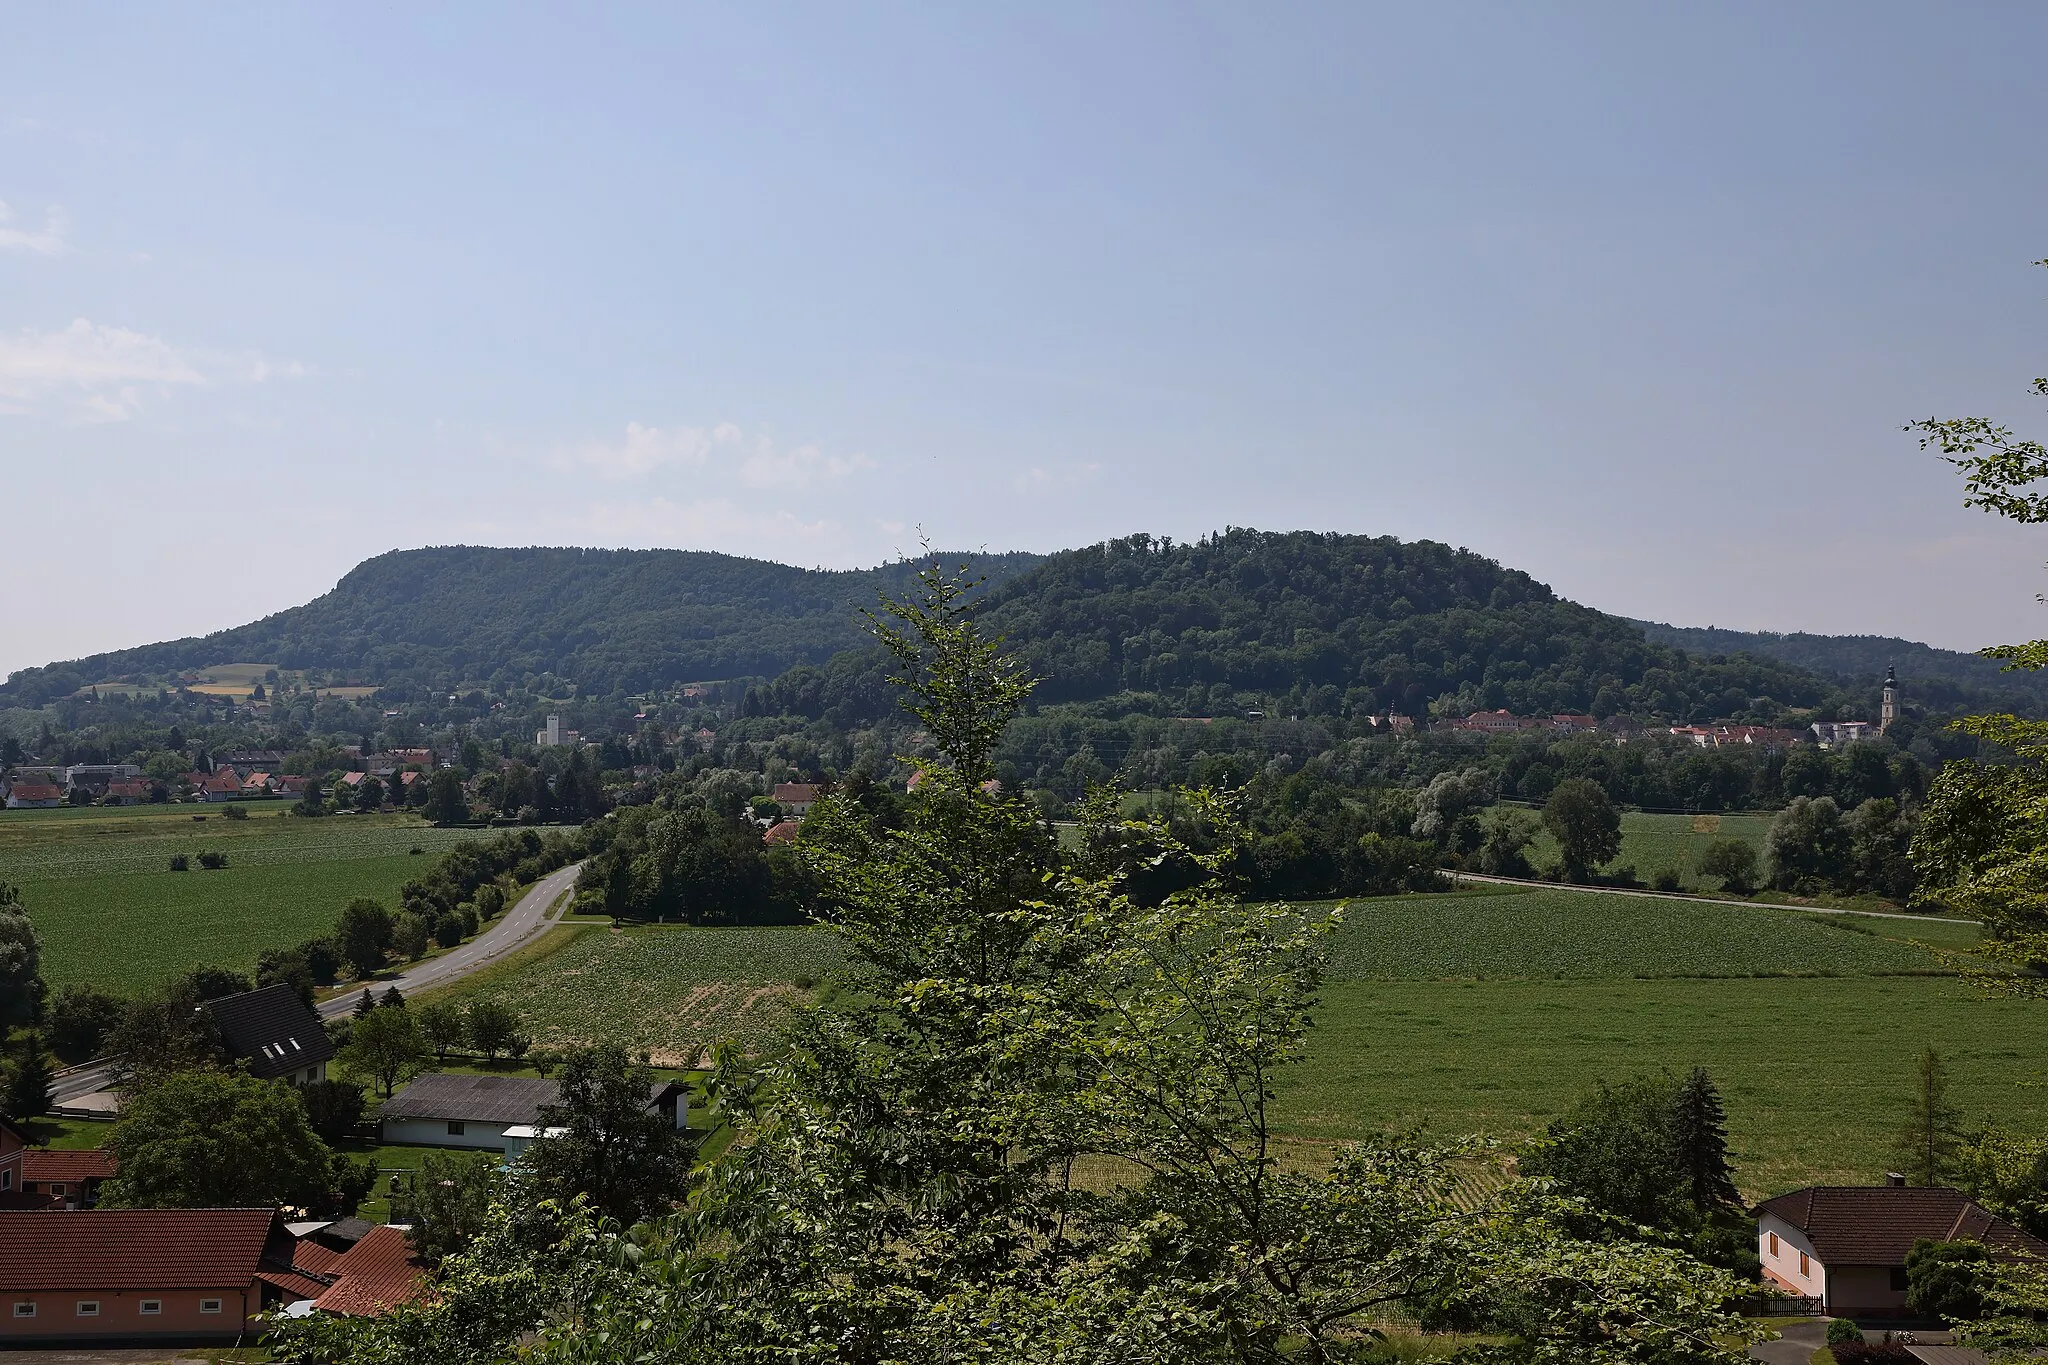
138	1274
379	1272
70	1180
782	832
275	1032
94	777
796	798
25	795
129	793
1492	723
350	782
15	1142
251	760
1847	1245
290	784
221	785
1571	724
446	1110
256	785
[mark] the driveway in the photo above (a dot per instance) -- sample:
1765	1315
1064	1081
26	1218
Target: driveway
1795	1344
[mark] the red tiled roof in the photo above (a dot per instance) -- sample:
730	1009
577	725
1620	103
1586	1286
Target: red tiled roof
114	1249
1878	1224
40	1163
313	1258
781	833
376	1273
293	1282
37	791
793	792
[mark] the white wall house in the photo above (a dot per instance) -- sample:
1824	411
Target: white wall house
496	1113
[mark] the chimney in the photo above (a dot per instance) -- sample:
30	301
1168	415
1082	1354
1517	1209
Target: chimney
1895	1180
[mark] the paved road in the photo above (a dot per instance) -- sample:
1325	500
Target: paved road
529	915
1703	900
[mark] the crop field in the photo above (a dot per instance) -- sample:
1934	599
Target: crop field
1814	1071
111	913
1651	843
670	990
1562	933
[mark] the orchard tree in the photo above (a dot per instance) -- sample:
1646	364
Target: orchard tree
384	1045
209	1140
363	935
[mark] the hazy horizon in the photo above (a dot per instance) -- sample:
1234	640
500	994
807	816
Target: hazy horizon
1637	302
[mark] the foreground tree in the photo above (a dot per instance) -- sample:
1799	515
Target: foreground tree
606	1143
21	948
210	1140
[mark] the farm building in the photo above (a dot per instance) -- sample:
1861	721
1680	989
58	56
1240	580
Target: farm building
138	1274
1847	1245
445	1110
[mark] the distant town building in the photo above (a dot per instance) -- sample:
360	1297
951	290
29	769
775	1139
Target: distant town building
1830	733
549	735
95	776
796	798
34	796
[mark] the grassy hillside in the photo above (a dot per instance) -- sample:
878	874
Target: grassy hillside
98	884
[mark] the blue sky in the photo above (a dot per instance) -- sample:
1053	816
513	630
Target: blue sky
1636	298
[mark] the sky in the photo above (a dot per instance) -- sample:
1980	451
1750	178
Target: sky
1636	298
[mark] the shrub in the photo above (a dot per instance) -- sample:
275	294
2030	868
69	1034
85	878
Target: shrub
1872	1353
235	813
1666	879
213	860
180	863
447	931
1842	1330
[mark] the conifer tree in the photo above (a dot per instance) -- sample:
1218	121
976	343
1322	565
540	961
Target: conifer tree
1928	1143
1700	1134
28	1080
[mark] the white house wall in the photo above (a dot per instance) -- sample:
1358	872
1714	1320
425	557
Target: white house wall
434	1133
1784	1266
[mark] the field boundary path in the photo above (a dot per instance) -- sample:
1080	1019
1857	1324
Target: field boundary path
532	914
1704	900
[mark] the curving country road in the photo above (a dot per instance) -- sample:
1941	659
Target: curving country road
529	916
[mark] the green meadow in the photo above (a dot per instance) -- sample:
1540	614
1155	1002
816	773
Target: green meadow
98	884
1486	1011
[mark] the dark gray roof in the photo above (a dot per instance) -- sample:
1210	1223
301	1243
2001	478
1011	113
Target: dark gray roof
272	1029
477	1099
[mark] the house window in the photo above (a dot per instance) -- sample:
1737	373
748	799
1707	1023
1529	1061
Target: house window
209	1305
151	1307
455	1128
1774	1244
56	1187
25	1310
88	1308
1802	1264
6	1180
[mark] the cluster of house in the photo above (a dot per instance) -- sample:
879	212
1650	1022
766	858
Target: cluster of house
248	776
796	800
1825	734
75	1274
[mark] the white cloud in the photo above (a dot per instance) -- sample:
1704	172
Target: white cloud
721	452
104	374
47	242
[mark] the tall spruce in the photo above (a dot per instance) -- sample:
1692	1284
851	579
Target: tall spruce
1932	1134
1699	1131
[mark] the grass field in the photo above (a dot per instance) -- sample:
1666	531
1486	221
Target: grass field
1651	843
672	991
1563	933
1487	1011
98	884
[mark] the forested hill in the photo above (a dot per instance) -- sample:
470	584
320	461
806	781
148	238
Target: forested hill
1937	677
608	620
1326	624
